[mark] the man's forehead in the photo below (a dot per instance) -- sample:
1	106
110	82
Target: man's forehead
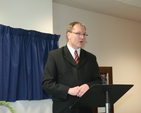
78	26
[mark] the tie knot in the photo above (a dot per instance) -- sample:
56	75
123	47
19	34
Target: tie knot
75	52
76	57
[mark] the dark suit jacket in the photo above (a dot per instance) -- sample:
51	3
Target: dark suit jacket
61	72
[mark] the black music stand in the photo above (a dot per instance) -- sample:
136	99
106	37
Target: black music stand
101	96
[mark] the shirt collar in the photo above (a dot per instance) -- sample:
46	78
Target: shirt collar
72	50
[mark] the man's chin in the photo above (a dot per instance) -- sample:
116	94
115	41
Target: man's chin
80	45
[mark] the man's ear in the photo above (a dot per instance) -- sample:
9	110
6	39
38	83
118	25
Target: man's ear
68	34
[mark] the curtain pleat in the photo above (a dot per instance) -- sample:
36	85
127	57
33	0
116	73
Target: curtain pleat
23	54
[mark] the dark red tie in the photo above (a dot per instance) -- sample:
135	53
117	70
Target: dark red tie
76	57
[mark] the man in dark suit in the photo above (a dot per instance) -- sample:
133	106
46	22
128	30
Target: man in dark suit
67	76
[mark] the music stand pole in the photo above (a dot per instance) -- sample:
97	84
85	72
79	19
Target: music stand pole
107	103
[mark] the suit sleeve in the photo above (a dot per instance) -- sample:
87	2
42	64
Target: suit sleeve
96	75
49	82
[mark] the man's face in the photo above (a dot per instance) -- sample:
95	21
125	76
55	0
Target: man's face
76	37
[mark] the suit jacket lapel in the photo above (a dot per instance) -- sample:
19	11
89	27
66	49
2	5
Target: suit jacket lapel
68	56
82	57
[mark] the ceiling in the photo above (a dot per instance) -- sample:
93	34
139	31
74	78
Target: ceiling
127	9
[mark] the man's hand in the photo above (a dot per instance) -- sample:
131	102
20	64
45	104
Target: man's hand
74	91
82	89
78	90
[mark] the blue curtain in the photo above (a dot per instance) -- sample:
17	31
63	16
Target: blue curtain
23	54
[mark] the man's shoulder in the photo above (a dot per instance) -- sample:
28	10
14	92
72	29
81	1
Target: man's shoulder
88	53
56	51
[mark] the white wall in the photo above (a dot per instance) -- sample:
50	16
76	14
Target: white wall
27	14
30	15
115	42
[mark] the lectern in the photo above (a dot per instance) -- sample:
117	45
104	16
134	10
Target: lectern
101	96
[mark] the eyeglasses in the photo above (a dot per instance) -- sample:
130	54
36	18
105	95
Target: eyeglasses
79	34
